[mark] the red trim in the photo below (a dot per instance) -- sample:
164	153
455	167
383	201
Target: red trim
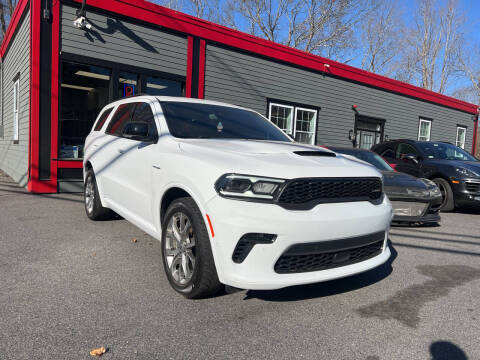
35	12
55	91
12	26
201	70
475	135
158	15
210	225
188	85
69	164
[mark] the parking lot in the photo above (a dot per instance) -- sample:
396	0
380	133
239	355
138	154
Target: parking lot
69	285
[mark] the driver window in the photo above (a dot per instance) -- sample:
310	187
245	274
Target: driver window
143	114
405	149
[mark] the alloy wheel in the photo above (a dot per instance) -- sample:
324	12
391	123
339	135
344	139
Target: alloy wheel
180	248
89	195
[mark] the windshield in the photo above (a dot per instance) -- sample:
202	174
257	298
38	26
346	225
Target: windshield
369	157
200	121
443	151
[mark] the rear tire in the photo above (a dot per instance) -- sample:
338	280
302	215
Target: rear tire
93	205
186	251
448	203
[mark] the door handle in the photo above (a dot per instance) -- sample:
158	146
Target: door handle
122	151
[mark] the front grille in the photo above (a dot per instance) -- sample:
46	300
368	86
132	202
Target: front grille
473	187
317	256
306	193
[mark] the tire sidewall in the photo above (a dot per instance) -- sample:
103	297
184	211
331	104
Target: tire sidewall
449	202
177	206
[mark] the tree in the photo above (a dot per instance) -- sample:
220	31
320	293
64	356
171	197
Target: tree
433	45
7	8
380	38
322	27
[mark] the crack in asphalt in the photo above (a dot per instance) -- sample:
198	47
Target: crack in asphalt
405	305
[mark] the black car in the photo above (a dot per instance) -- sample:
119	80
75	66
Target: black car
455	171
413	199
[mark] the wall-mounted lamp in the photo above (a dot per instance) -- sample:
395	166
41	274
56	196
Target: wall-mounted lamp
386	138
352	135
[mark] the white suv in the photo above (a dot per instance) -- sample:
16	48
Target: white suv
233	199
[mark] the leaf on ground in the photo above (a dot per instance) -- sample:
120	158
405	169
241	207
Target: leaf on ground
98	351
134	241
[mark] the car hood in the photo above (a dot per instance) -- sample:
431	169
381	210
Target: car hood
394	178
273	159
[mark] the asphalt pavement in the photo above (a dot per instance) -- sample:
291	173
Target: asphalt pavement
68	285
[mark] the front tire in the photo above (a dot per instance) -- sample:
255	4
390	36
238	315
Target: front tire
448	203
93	204
186	251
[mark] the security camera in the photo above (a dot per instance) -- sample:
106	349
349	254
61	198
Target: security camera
82	23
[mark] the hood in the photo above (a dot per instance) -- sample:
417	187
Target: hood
394	178
273	159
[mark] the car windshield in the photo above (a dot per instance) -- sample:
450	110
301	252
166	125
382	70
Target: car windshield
443	151
368	156
200	121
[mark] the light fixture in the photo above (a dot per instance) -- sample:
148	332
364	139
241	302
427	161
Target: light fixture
92	75
77	87
351	135
156	86
127	81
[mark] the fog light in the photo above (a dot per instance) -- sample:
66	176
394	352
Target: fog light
247	242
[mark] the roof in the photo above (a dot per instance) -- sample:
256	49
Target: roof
154	14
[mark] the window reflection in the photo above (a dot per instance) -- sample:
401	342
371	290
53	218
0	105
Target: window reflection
84	92
163	87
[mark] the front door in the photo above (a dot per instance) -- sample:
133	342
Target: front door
369	132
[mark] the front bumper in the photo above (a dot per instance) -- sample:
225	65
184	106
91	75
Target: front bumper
467	192
231	219
427	211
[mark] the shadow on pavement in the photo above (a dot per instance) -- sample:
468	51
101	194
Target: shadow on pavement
328	288
445	350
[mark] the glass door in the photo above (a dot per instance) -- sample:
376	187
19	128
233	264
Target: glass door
369	132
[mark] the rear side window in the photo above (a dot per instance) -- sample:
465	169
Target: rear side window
120	119
143	114
102	119
406	149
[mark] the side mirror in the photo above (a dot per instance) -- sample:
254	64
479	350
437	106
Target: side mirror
411	158
136	131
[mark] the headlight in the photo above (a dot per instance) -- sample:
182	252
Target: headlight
248	186
466	172
433	189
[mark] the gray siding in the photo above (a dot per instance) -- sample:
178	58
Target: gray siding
123	42
245	80
14	157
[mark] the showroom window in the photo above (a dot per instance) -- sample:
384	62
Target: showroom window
127	84
297	121
84	92
16	102
424	129
461	135
163	87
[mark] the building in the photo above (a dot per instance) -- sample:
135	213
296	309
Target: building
55	77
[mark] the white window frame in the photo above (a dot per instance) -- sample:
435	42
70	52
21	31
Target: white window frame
16	108
464	128
429	122
314	123
287	107
294	118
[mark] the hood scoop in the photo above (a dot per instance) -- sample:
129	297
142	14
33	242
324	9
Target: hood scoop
315	153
